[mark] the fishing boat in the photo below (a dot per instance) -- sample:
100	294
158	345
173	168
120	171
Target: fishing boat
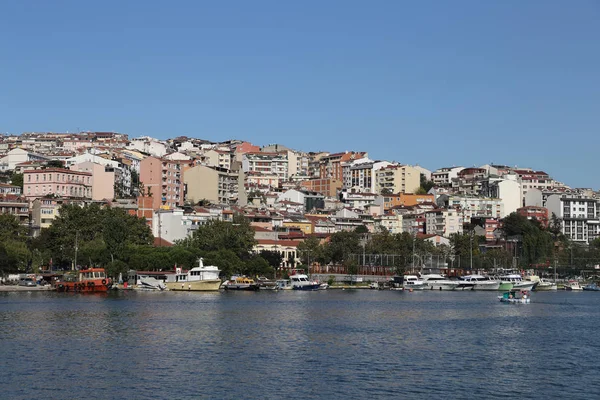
201	278
90	280
515	296
240	283
266	284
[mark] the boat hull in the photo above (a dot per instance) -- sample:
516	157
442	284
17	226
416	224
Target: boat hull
514	301
210	285
242	286
309	287
92	286
441	286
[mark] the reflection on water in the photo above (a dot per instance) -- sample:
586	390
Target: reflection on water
297	345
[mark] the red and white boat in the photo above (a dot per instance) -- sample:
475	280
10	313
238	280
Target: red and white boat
91	280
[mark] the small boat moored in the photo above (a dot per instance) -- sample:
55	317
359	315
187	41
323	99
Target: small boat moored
515	296
301	281
573	285
240	283
200	278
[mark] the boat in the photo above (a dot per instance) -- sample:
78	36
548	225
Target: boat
573	285
515	281
266	284
201	278
592	287
301	281
240	283
541	284
515	296
150	283
438	282
283	284
477	282
90	280
413	282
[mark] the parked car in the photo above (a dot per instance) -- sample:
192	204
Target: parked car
27	282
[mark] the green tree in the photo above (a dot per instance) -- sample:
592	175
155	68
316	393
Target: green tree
273	258
341	245
55	164
17	180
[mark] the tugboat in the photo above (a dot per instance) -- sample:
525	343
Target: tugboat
91	280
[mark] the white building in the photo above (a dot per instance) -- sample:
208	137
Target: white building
148	145
443	222
360	175
444	176
580	216
18	156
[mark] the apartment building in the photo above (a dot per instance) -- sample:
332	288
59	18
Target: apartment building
444	176
57	181
330	166
442	222
397	179
103	179
580	216
472	207
217	185
327	187
163	179
360	175
266	163
15	205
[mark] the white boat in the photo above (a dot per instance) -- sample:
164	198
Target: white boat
413	282
477	282
573	285
515	281
300	281
200	278
283	284
541	284
438	282
150	283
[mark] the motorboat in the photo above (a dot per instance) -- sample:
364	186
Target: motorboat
592	287
301	281
266	284
283	284
545	285
515	281
515	296
477	282
150	283
240	283
573	285
413	282
89	280
200	278
438	282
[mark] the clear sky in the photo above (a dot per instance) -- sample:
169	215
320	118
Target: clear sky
437	83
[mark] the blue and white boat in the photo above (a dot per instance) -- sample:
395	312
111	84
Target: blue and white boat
592	287
300	281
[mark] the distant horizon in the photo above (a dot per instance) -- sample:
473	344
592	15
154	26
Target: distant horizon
428	83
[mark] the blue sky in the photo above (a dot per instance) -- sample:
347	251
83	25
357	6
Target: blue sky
436	83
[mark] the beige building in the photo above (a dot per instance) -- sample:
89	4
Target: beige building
103	179
397	179
217	185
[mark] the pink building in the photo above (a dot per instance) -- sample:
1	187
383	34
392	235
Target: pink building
164	179
103	179
57	181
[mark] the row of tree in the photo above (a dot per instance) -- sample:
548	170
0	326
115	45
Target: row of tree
110	237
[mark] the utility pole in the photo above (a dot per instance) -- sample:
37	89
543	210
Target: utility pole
471	248
75	260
